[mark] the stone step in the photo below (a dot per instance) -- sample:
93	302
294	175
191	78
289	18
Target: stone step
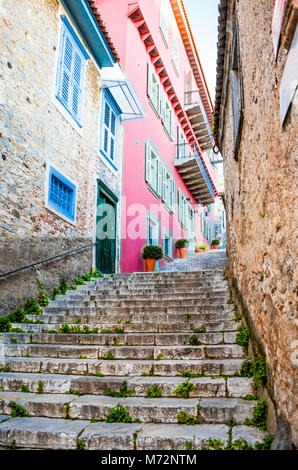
66	316
138	327
47	433
96	309
156	287
146	290
154	339
208	367
147	410
132	302
206	387
196	296
220	351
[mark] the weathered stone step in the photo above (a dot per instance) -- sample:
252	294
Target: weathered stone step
124	352
47	433
69	316
196	296
116	302
138	327
161	286
146	309
147	410
208	367
206	387
154	339
112	291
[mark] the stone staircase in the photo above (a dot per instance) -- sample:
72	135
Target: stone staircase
154	331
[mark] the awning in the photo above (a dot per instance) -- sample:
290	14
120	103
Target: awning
123	92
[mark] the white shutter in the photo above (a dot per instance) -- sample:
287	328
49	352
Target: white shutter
66	69
173	195
179	205
159	177
164	185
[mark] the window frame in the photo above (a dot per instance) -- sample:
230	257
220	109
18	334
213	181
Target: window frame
107	99
67	31
167	234
51	205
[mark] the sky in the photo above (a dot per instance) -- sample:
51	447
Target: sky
203	18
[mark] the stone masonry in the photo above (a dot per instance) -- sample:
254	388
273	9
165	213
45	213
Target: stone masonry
33	133
260	192
154	331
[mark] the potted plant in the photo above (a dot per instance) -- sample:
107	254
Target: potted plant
150	254
214	244
200	248
181	246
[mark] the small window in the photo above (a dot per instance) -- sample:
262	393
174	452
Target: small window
71	72
110	129
61	194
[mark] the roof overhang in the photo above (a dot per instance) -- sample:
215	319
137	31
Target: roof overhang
81	14
123	92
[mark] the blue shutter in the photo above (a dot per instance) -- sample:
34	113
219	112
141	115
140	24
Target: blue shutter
110	125
70	81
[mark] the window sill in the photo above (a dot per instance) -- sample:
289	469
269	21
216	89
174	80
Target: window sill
108	163
59	214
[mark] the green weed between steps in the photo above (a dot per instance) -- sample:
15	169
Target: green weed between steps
25	389
256	369
185	418
184	390
75	392
259	418
239	444
67	329
17	411
193	341
80	444
187	317
188	373
5	369
118	414
250	397
242	337
64	287
13	341
237	318
200	330
159	356
153	392
188	445
39	387
99	374
122	392
108	356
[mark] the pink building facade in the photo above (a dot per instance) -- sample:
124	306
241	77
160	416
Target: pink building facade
168	179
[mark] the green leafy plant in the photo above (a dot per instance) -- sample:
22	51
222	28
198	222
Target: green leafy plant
118	414
119	331
67	409
145	374
185	418
266	444
32	307
259	372
43	299
181	243
159	356
80	444
184	390
188	373
39	387
17	330
75	392
215	242
187	317
250	397
200	330
200	247
237	318
123	391
25	389
99	374
153	392
78	321
52	332
242	337
188	445
259	418
193	341
79	282
94	420
6	369
13	341
108	356
230	301
153	252
17	411
246	369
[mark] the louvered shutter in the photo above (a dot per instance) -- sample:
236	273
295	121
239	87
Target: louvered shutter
173	195
159	177
164	185
148	164
109	131
77	76
64	91
179	205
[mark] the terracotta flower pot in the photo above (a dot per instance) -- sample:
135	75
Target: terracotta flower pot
182	252
198	250
214	247
150	264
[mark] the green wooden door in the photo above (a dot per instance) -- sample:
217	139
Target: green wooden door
105	232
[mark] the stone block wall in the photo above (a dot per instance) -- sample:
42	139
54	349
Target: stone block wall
260	193
34	132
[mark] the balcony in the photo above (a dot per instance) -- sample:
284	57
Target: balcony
198	119
189	163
